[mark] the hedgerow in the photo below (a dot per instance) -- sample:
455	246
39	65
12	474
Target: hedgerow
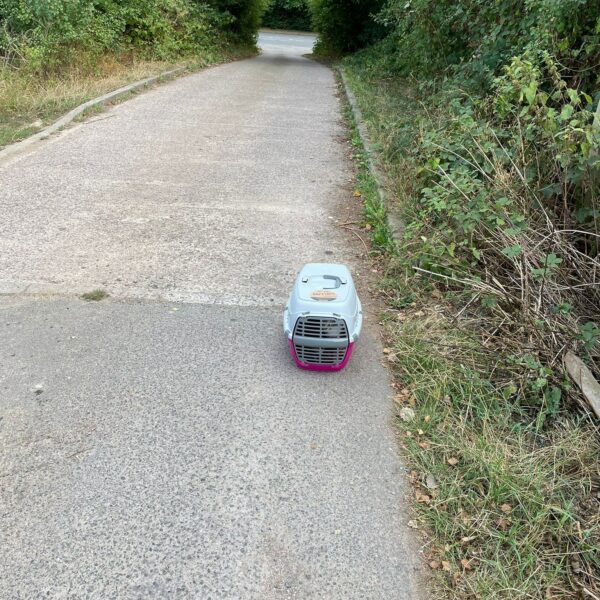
288	14
243	16
485	116
345	26
505	197
46	34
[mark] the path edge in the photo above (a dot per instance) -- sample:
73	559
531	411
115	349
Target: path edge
18	147
395	223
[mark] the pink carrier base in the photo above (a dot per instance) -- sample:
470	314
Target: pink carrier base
310	367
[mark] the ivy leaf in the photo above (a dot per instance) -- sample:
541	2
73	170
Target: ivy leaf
567	112
489	301
512	251
552	260
530	91
589	334
573	96
562	309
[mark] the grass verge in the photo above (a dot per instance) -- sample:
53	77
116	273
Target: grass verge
29	102
507	495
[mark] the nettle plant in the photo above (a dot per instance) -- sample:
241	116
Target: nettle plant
507	208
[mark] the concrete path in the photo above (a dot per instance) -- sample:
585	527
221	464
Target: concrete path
161	444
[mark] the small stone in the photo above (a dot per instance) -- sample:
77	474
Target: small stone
407	414
430	481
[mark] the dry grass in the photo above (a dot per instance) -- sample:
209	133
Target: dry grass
509	511
30	102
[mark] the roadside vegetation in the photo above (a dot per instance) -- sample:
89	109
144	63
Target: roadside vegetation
55	54
288	14
483	119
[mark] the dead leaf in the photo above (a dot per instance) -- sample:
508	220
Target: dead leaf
434	564
467	564
452	461
424	446
502	523
576	566
427	418
422	498
386	350
445	565
356	193
506	508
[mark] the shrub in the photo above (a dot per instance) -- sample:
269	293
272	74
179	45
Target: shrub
345	26
288	14
478	37
483	117
44	34
244	16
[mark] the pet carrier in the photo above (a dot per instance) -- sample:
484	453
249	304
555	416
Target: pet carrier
323	317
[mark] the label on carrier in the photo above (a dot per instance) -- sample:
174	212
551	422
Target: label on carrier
323	295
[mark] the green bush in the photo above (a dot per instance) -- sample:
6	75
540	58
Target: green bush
244	16
44	34
478	37
288	14
345	26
